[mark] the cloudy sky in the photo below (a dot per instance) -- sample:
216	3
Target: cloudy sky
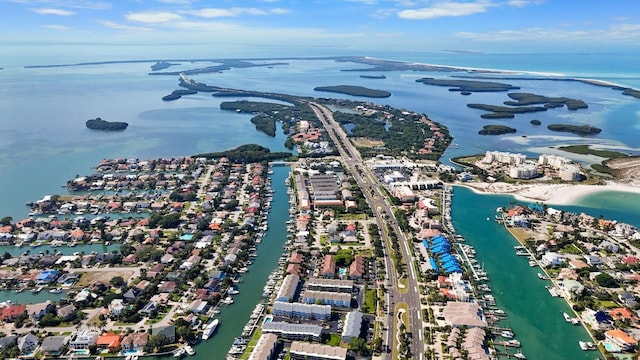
354	26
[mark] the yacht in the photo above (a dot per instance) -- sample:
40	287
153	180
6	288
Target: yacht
56	291
209	329
586	345
179	352
542	277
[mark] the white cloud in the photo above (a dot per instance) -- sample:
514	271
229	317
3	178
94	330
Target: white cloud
57	27
177	2
523	3
51	11
118	26
152	17
446	9
233	12
74	4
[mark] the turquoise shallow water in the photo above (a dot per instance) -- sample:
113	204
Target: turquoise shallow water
533	314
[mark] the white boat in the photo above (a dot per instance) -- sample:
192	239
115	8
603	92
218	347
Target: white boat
56	291
189	350
507	334
179	352
542	277
532	263
228	300
514	342
233	291
209	329
566	316
519	355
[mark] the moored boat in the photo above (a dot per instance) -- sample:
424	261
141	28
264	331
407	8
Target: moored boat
209	329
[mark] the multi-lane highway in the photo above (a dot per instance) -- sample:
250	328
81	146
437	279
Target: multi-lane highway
409	293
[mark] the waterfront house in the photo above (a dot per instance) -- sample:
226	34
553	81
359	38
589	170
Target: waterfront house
149	308
593	260
621	339
199	306
109	341
135	341
47	276
53	345
37	311
132	294
83	339
552	259
169	331
28	343
10	313
624	314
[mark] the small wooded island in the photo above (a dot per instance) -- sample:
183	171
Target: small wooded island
496	130
575	129
354	91
99	124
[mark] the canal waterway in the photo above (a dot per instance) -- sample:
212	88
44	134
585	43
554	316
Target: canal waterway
533	314
234	317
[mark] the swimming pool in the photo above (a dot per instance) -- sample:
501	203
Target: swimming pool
342	271
610	347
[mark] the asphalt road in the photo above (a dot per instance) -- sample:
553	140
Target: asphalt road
384	216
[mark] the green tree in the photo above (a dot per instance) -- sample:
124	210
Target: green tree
606	280
117	281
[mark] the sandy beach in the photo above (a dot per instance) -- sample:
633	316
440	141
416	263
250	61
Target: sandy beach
553	194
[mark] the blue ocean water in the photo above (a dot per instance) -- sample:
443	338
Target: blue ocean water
44	141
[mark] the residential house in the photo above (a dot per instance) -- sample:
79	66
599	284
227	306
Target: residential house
134	341
7	341
621	339
169	331
109	341
83	339
53	345
37	311
10	313
627	299
67	313
28	343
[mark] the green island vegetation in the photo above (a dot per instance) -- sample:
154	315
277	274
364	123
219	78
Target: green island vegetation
587	150
177	94
496	130
535	122
406	134
575	129
224	64
523	99
468	86
625	90
161	65
373	76
247	154
265	113
354	91
99	124
503	112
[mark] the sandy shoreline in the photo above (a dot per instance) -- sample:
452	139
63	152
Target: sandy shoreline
552	194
